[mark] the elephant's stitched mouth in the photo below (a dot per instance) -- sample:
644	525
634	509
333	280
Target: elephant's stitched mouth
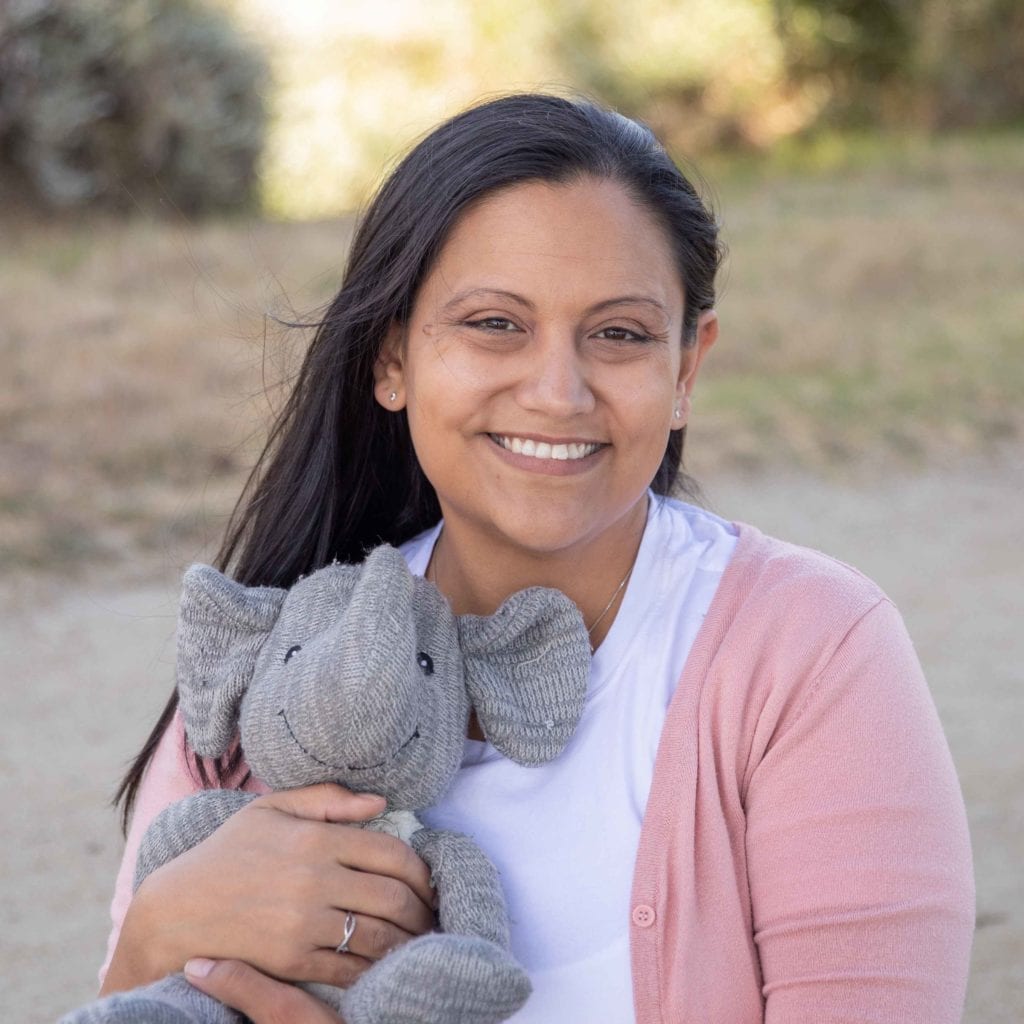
348	767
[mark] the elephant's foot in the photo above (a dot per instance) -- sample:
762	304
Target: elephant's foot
439	979
170	1001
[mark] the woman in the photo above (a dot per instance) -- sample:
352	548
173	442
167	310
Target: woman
758	818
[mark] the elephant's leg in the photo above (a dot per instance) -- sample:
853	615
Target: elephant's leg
169	1001
172	1000
465	975
470	898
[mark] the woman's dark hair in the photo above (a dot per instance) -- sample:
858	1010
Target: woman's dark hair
338	474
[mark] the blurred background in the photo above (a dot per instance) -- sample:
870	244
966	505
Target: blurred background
178	180
173	171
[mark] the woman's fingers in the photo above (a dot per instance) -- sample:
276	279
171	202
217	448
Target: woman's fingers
262	999
324	802
383	897
362	849
402	879
370	938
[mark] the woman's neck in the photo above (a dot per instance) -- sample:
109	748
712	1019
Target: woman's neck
477	573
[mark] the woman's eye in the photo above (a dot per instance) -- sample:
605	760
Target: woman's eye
622	334
494	324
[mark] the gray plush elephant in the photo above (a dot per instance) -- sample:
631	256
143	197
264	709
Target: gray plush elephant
361	675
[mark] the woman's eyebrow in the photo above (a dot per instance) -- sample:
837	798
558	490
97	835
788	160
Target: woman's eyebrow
621	300
471	293
630	300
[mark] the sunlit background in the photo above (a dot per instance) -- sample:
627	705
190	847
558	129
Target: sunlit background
334	89
176	176
353	80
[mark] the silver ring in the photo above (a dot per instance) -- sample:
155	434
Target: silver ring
350	930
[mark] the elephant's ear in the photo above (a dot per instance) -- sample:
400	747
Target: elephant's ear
221	628
527	667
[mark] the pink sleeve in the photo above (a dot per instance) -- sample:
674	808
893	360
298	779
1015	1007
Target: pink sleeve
859	859
169	777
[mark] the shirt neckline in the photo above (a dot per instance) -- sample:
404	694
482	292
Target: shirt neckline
634	604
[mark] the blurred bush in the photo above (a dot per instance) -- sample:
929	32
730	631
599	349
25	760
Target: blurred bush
704	74
356	80
128	102
920	64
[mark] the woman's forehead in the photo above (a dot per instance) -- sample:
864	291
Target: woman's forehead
589	238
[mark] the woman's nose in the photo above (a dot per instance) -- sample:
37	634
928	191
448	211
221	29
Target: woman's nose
555	380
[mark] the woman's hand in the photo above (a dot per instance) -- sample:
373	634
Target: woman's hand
273	887
263	1000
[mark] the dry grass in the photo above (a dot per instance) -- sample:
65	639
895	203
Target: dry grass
872	311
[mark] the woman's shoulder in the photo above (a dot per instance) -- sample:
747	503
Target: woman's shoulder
762	567
787	577
784	611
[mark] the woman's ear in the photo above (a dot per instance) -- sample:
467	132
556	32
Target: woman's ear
693	356
389	370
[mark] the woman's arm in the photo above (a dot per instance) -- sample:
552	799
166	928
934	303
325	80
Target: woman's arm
858	855
272	886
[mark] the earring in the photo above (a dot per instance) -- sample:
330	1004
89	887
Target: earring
677	412
392	396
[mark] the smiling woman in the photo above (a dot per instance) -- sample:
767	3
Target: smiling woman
757	818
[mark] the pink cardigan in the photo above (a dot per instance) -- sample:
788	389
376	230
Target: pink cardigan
804	855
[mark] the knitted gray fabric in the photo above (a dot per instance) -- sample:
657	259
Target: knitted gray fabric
473	903
361	675
441	978
221	627
170	1001
521	673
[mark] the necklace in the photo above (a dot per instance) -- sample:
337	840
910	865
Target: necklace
608	606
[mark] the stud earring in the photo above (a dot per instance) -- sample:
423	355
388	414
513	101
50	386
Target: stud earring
677	412
392	396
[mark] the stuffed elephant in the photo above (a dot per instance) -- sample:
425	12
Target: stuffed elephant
361	675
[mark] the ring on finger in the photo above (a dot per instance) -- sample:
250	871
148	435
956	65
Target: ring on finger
350	930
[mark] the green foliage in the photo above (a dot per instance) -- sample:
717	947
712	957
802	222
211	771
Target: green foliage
702	73
128	102
926	64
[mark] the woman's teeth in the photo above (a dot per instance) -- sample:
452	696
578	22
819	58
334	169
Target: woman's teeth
543	450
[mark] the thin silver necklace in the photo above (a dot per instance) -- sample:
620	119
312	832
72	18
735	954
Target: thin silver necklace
608	606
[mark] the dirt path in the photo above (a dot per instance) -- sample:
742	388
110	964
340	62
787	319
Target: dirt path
86	671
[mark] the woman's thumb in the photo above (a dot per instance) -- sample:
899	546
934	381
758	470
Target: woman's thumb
260	998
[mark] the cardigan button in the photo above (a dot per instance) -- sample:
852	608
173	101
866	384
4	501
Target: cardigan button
643	916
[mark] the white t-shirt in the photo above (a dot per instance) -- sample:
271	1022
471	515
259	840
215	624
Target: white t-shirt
564	836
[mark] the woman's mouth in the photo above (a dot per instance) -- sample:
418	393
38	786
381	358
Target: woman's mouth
570	451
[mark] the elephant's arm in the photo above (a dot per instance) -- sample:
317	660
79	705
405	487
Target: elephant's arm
186	824
470	898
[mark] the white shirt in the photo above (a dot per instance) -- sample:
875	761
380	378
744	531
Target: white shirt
564	836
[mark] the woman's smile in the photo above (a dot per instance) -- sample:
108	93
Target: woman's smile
547	455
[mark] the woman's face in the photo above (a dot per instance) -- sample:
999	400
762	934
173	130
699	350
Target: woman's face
542	364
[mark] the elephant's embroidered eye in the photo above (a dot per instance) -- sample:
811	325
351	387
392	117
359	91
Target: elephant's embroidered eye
425	662
291	651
